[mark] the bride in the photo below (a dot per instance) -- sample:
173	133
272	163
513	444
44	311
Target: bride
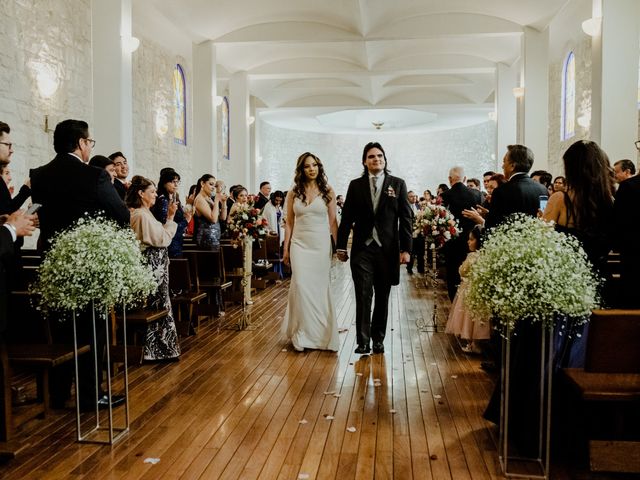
310	320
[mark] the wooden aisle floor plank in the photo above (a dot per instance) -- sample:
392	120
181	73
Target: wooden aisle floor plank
232	406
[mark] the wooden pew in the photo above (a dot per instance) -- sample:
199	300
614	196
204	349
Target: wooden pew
184	293
137	323
609	385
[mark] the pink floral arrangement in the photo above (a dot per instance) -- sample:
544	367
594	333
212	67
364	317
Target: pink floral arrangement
436	224
247	222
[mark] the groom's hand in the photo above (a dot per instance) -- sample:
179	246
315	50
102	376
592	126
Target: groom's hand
405	257
342	255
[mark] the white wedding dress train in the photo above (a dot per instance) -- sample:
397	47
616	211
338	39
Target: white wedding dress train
310	320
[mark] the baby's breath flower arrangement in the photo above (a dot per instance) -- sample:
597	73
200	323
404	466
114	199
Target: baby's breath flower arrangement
94	261
528	270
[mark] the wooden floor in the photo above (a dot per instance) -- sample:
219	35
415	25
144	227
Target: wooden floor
246	405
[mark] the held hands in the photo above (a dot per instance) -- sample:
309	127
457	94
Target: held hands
285	258
405	257
342	255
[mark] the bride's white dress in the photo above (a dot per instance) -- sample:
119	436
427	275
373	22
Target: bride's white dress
310	320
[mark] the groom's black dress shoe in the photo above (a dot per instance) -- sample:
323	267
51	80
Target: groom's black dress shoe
378	347
363	349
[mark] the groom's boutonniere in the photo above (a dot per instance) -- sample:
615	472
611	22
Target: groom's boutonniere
391	192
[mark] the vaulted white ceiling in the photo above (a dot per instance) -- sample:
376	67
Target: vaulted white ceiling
310	57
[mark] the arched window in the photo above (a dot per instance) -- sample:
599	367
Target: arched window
568	101
180	119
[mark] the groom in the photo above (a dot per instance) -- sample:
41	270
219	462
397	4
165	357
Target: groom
378	210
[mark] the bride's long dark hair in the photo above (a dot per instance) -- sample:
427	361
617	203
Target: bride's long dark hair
300	179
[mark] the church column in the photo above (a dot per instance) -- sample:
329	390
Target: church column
535	114
507	115
239	131
205	138
614	101
112	124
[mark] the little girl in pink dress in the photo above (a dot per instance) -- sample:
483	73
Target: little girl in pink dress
462	322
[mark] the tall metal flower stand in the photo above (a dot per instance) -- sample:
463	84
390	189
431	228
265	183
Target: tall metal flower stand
431	281
526	400
244	322
98	433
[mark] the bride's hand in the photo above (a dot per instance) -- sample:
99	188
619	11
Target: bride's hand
285	259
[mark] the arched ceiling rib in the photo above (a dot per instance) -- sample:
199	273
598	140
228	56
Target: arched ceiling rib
307	54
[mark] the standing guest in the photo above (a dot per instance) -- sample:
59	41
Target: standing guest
168	195
418	243
623	170
310	320
263	195
208	207
520	194
221	189
559	184
427	198
458	198
8	204
105	163
161	339
5	173
241	196
68	189
543	177
272	211
122	172
474	184
378	211
15	225
627	221
486	176
339	205
443	187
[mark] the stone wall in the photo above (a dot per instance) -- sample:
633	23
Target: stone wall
422	159
153	100
43	37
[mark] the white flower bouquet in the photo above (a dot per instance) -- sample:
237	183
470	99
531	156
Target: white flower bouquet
528	270
436	224
94	261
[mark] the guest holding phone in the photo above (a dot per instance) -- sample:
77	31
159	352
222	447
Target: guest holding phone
168	195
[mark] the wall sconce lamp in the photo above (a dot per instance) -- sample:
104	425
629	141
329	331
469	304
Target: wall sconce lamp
592	26
251	120
162	123
518	92
217	101
584	120
47	79
130	44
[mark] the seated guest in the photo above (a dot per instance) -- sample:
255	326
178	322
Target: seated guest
100	161
161	342
168	195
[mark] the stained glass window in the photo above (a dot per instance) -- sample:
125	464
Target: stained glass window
568	101
180	119
225	128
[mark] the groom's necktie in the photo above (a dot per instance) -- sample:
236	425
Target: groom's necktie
374	185
374	194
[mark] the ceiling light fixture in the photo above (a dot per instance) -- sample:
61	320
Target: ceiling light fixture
378	125
131	44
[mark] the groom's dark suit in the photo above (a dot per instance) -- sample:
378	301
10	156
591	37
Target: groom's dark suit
375	267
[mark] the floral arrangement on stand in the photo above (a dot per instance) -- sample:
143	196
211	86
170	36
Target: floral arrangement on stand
513	278
93	261
246	222
436	224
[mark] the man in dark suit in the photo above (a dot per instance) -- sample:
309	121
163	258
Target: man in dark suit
458	198
378	211
68	189
7	203
263	195
627	220
520	194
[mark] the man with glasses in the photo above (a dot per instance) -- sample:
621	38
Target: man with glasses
122	172
68	189
8	204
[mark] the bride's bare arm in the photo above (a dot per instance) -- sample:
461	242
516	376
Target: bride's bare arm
333	216
288	226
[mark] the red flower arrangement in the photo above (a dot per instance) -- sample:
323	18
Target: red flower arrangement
246	221
436	224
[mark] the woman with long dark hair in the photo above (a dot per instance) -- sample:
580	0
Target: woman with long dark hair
167	195
209	207
310	320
